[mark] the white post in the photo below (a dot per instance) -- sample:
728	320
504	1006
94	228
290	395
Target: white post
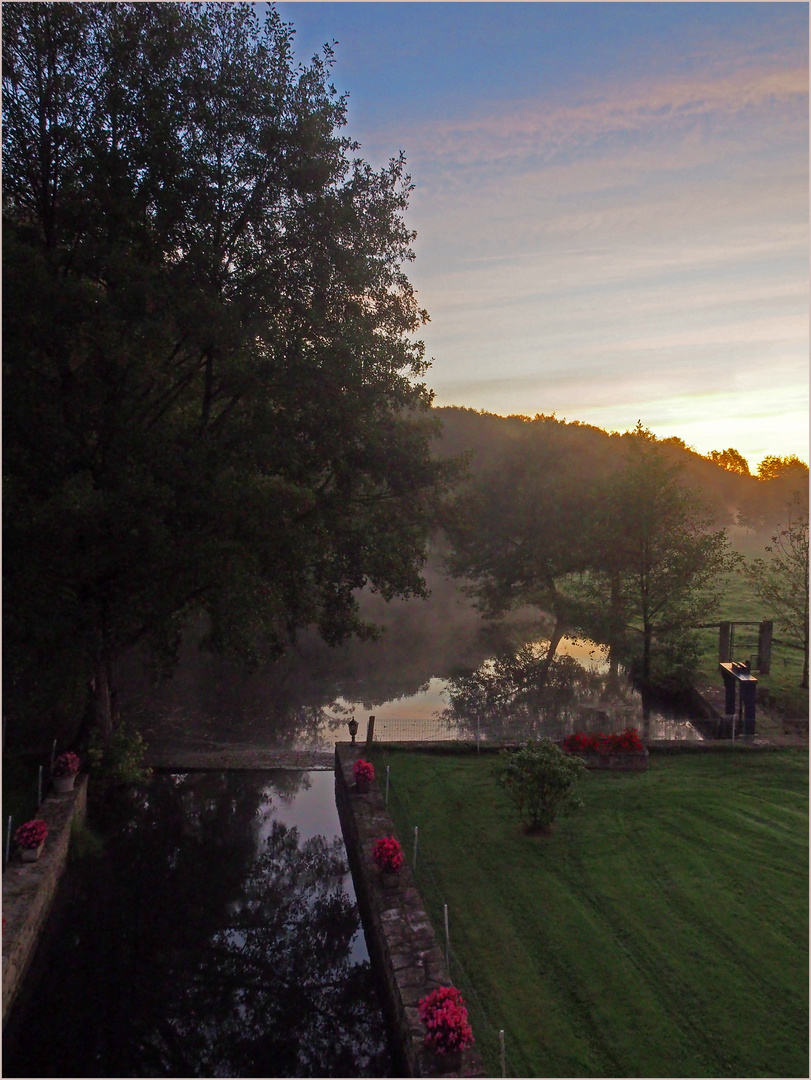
503	1055
8	838
447	943
416	840
39	788
53	755
388	770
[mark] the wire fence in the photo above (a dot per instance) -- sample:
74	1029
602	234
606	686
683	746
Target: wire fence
506	731
488	1028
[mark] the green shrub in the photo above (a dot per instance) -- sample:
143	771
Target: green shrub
540	780
120	760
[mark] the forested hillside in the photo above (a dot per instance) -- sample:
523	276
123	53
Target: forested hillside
750	507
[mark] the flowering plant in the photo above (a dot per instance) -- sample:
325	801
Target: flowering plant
444	1014
363	771
66	764
388	855
627	742
31	834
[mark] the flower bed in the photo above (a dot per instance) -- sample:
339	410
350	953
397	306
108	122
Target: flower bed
620	750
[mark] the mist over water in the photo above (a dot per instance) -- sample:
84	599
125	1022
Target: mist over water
305	699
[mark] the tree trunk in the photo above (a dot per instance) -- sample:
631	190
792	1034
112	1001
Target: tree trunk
102	698
554	641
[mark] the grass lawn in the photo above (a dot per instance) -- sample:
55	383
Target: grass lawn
661	931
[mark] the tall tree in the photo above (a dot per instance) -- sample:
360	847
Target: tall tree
519	530
781	580
663	558
213	389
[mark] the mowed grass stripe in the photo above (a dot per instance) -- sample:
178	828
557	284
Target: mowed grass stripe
660	931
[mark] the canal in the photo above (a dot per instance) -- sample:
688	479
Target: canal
216	934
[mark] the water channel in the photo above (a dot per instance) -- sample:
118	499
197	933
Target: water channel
217	935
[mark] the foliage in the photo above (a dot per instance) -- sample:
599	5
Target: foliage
731	460
625	742
31	834
781	580
519	529
660	561
693	875
387	854
119	760
444	1014
363	771
214	391
773	466
66	764
540	780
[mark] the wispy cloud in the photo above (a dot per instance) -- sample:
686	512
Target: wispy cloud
540	129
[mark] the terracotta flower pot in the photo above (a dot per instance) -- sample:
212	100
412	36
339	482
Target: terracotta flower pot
361	787
31	854
64	783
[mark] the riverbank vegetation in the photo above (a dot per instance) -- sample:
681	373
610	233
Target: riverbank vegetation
660	931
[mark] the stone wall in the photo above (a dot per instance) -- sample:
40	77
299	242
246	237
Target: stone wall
399	933
29	888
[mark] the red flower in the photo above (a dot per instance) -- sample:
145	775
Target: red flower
388	855
66	764
444	1014
627	742
31	834
363	771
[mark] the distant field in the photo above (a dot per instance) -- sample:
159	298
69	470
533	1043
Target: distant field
661	931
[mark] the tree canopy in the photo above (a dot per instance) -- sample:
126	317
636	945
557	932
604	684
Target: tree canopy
614	547
213	388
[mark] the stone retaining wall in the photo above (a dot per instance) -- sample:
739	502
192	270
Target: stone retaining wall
399	934
29	888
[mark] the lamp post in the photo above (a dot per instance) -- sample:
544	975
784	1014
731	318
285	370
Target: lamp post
353	728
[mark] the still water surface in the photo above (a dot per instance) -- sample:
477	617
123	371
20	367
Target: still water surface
217	935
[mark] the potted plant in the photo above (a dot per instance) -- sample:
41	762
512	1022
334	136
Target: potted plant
30	839
448	1031
364	773
64	771
388	856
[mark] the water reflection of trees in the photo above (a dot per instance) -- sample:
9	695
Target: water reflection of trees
274	992
210	940
517	695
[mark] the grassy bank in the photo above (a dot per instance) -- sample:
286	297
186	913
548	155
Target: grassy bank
781	687
661	931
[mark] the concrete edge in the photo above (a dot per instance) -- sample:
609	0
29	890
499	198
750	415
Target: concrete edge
29	888
398	930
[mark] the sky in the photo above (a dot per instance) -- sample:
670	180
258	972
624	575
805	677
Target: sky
611	204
